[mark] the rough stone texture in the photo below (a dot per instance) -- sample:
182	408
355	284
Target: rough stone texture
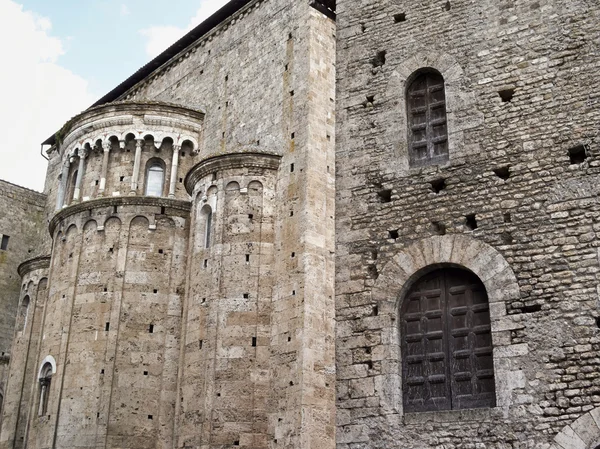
21	220
536	244
156	337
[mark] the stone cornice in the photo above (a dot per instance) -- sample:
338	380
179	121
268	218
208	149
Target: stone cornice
122	114
230	161
182	205
35	263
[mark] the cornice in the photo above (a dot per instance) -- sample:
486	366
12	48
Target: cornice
227	162
35	263
182	205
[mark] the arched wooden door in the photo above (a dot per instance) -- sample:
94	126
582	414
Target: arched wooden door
446	343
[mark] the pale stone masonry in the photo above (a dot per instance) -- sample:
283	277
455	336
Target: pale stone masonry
516	204
185	297
310	225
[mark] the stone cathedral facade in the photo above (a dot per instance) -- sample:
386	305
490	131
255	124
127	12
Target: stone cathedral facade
318	225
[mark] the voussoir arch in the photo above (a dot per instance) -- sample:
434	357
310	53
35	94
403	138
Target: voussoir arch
411	262
583	433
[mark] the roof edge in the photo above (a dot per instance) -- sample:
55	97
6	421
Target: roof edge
232	7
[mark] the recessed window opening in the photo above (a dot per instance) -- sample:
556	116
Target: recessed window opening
253	341
155	176
45	381
205	263
291	168
107	327
400	17
427	122
577	154
247	257
4	243
246	295
24	309
151	329
208	223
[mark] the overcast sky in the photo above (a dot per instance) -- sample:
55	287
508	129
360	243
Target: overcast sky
59	56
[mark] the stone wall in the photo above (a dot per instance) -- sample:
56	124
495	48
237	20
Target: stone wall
515	204
156	339
20	224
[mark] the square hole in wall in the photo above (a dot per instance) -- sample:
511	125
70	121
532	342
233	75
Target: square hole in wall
400	17
393	234
577	154
471	222
502	172
506	95
437	185
246	295
145	373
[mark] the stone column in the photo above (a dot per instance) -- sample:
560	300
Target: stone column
62	188
174	165
106	146
136	166
82	155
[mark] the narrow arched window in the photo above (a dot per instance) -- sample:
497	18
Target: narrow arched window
23	310
208	218
427	124
45	380
446	343
155	178
71	187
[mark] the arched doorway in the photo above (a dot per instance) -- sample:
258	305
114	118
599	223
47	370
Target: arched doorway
446	345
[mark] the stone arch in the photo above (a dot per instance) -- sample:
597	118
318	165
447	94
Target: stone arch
413	261
47	360
583	433
232	186
460	102
458	250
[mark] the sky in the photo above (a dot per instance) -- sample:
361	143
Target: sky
58	57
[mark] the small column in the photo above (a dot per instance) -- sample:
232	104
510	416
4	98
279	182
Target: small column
136	166
174	166
82	155
106	146
62	188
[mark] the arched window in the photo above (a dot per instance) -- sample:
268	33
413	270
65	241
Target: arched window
446	343
45	380
22	318
207	215
71	188
427	127
155	177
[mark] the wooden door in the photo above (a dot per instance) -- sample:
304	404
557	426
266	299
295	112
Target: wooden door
446	343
